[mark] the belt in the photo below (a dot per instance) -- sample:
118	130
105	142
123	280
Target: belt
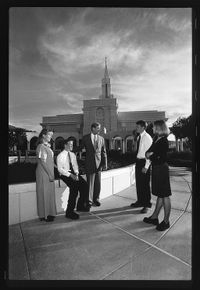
140	159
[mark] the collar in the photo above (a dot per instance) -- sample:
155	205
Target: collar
47	144
143	133
93	136
158	138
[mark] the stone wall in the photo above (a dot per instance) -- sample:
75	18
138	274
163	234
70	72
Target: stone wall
23	203
92	113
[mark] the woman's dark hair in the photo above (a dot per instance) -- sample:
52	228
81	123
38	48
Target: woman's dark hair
94	125
43	132
142	123
163	126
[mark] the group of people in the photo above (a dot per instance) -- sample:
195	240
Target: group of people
149	153
67	166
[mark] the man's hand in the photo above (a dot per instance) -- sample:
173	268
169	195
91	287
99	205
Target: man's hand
73	176
144	170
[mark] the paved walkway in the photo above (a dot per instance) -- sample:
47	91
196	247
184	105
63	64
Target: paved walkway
109	243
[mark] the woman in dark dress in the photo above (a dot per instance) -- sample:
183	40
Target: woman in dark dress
157	153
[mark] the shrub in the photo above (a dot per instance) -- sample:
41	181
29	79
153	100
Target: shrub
23	173
180	158
184	155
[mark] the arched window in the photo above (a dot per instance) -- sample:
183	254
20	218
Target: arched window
59	143
129	144
107	144
117	143
33	143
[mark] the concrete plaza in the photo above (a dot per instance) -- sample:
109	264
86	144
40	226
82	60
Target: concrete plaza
109	243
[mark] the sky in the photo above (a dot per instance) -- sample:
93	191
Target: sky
56	60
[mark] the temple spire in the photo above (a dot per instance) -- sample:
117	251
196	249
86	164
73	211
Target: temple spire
106	75
105	84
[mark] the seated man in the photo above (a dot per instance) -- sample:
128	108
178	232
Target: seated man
69	173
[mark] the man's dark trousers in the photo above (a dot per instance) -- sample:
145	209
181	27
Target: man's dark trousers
142	184
75	187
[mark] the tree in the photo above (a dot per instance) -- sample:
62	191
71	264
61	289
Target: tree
182	128
17	137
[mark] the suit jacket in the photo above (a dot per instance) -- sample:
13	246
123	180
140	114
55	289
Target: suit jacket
95	159
159	149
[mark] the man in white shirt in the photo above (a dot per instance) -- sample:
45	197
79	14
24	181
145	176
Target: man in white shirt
68	168
142	170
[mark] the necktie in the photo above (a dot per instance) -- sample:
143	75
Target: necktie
138	144
95	142
70	163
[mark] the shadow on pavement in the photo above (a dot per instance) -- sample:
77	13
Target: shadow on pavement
123	208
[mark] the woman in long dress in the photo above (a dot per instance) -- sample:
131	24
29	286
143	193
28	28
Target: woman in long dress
45	186
157	153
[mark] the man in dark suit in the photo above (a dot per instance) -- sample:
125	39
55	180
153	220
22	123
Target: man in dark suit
96	159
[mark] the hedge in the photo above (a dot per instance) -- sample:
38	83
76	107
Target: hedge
25	172
180	159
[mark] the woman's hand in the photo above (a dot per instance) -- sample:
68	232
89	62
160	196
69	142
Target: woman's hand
148	154
51	178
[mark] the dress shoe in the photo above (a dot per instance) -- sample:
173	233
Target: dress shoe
42	219
96	203
83	209
49	218
136	204
72	215
144	210
149	220
163	226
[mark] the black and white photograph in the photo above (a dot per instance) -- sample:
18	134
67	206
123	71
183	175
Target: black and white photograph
100	143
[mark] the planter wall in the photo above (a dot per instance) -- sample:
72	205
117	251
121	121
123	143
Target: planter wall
23	203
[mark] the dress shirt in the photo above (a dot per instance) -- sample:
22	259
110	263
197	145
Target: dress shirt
145	143
63	163
94	138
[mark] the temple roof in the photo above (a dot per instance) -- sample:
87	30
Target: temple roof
137	115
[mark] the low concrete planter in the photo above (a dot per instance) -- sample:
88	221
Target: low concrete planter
22	197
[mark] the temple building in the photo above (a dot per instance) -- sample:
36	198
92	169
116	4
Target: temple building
116	126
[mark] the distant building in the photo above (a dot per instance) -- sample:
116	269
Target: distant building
116	127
